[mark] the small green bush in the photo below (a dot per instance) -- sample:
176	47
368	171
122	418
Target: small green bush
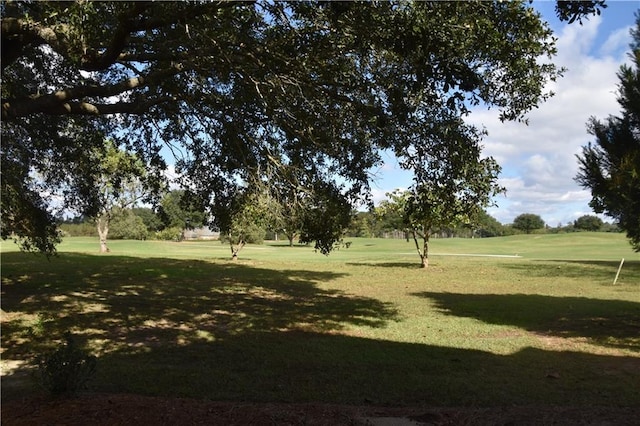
170	234
127	226
67	369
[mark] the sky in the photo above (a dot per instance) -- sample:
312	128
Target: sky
539	159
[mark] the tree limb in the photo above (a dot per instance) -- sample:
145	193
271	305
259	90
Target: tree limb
18	33
64	101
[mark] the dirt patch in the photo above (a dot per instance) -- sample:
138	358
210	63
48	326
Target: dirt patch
122	409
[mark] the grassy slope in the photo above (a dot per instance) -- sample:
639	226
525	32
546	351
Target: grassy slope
362	325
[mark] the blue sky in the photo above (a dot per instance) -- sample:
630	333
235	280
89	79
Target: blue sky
538	161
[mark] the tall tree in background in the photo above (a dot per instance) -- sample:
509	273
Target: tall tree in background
246	219
452	182
232	87
588	223
290	202
488	226
528	222
118	187
610	167
177	211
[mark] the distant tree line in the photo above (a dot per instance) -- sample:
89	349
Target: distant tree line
365	224
372	225
169	221
531	223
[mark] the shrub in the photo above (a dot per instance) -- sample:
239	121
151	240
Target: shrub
67	369
127	226
170	234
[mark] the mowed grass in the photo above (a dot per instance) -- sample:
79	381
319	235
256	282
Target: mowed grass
363	325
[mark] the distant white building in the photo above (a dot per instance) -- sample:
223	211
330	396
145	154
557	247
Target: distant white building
201	234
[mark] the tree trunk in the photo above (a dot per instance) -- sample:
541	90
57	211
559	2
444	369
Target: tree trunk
235	250
424	252
290	236
103	231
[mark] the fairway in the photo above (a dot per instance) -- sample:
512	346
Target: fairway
362	325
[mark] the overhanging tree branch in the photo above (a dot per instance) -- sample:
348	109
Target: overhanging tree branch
324	89
64	101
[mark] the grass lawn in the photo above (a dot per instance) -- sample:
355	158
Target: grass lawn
363	325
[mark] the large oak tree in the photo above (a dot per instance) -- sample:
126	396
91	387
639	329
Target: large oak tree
233	88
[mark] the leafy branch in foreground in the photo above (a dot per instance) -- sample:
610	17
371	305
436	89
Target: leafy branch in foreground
234	88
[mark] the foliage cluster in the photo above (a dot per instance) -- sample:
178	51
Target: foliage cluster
528	222
173	215
68	369
588	223
169	234
126	225
86	228
304	95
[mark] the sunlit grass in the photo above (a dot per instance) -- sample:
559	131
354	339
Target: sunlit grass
363	324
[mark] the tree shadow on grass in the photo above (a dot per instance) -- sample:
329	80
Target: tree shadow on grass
602	271
133	302
609	323
405	265
228	331
300	366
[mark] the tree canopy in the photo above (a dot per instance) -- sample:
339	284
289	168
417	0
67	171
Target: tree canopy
454	185
233	89
117	176
528	222
175	212
610	167
588	223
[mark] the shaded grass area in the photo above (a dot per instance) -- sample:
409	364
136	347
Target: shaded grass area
599	271
307	366
139	301
467	332
614	323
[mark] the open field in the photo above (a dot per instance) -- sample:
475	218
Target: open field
364	325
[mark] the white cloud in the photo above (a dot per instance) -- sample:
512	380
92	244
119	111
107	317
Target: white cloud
575	40
539	160
617	40
378	195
